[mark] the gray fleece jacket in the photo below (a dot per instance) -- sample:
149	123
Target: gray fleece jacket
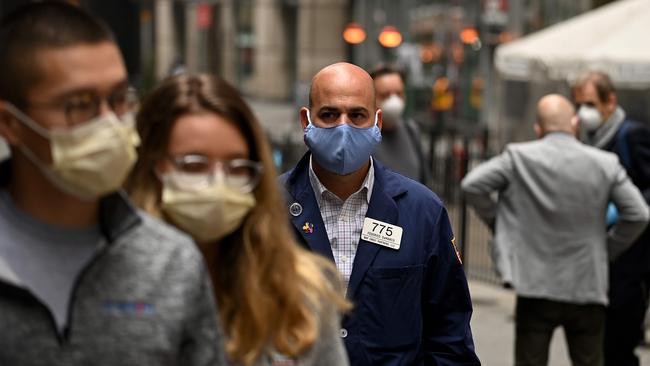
145	299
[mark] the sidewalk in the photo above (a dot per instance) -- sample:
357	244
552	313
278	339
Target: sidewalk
493	329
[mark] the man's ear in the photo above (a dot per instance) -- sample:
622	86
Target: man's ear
8	125
304	121
380	121
538	130
575	125
612	102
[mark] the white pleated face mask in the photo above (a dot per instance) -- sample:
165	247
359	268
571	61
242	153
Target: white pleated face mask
207	213
392	108
590	118
88	160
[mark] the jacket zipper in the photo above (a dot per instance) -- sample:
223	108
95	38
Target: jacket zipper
35	299
75	289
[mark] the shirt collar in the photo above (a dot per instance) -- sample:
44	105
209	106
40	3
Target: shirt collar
319	188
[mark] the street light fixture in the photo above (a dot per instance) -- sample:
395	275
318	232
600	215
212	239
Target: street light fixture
390	37
354	33
469	36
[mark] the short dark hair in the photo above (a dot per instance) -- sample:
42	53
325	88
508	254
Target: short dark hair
37	26
600	80
383	70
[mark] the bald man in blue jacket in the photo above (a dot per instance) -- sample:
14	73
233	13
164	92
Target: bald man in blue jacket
389	236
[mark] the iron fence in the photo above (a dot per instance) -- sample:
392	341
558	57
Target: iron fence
453	153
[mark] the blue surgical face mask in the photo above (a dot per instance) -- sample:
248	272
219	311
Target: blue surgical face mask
342	149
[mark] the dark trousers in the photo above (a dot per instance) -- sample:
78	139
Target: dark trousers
536	319
625	316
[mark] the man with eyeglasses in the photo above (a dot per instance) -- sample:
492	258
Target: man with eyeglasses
85	278
604	125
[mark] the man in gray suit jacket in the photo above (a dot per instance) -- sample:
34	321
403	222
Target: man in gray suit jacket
550	231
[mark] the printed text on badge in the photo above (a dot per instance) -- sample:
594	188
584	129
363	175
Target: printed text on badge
381	233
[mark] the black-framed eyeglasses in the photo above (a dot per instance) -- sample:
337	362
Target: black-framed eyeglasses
194	171
84	106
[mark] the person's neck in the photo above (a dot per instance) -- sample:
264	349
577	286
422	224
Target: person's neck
210	252
35	195
343	186
559	132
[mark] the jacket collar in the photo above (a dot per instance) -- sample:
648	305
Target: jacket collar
299	175
116	213
386	190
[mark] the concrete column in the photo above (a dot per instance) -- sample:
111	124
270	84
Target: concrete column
270	79
320	40
165	42
192	41
228	48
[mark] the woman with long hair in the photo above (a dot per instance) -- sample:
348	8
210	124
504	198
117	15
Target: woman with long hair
205	166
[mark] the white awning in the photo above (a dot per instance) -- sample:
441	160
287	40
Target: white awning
614	38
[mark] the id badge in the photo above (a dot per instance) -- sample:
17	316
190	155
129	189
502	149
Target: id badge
381	233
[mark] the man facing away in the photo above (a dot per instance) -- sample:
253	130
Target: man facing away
389	236
400	148
85	279
550	225
605	125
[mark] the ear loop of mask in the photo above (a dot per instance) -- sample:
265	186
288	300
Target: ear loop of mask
35	127
28	121
46	169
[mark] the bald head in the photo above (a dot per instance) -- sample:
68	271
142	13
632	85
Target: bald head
341	93
342	78
555	113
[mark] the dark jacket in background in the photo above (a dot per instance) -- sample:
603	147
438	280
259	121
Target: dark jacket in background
634	154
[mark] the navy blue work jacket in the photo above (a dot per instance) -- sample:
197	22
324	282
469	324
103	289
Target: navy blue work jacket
412	305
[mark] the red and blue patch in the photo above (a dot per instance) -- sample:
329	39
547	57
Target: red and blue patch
128	308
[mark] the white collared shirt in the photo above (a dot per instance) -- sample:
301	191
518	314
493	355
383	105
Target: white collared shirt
343	219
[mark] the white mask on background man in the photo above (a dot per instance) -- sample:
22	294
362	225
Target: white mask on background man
392	109
88	160
590	118
208	213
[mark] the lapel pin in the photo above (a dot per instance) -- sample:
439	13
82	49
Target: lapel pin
308	228
295	209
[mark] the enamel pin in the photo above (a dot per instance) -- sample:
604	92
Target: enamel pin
295	209
308	228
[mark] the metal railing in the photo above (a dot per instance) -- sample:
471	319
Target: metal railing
453	154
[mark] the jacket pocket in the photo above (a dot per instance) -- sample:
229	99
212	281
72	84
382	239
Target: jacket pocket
390	307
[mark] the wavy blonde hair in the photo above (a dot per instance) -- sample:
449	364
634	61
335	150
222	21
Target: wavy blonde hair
268	288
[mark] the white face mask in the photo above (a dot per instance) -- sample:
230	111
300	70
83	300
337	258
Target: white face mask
392	108
88	160
590	118
208	213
